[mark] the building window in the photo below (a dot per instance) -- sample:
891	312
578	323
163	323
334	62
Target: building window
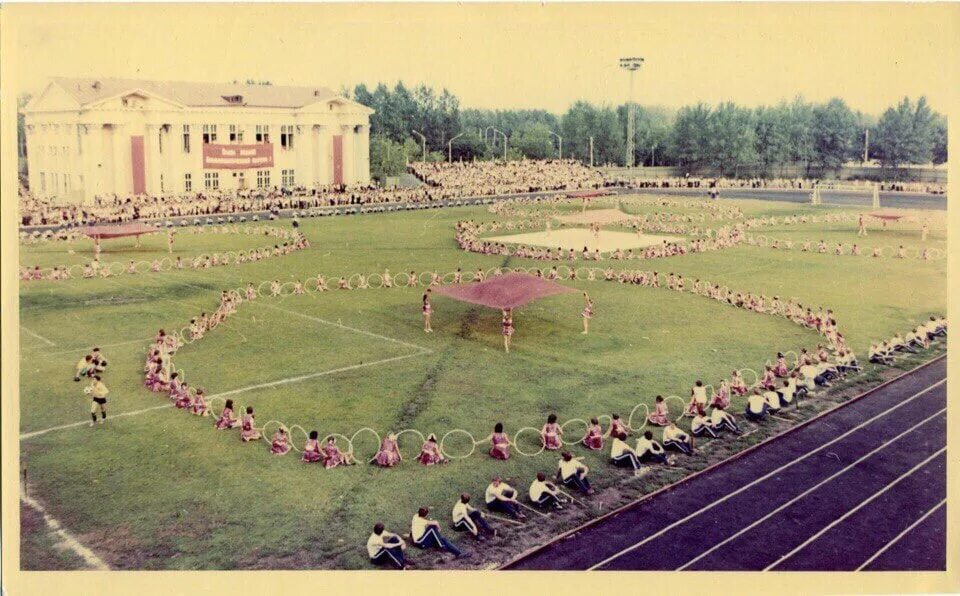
160	140
43	183
211	180
161	182
187	183
286	178
263	178
286	137
209	133
263	133
186	138
236	133
66	183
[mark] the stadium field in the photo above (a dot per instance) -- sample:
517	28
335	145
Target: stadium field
156	488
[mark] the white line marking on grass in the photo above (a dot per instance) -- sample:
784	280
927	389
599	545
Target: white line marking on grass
902	534
92	344
762	478
38	336
833	476
297	379
826	528
66	538
347	327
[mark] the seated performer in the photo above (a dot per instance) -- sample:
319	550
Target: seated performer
466	517
226	420
430	452
737	384
311	449
879	355
389	453
660	415
593	438
500	496
543	493
500	443
675	439
248	432
698	400
702	426
386	548
425	533
617	427
280	444
571	471
648	450
199	407
333	457
722	419
550	434
722	396
622	454
780	368
757	406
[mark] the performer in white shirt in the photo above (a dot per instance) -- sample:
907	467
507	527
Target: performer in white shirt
648	450
757	405
722	419
571	471
425	533
675	439
622	454
386	548
544	493
701	426
467	517
502	497
698	400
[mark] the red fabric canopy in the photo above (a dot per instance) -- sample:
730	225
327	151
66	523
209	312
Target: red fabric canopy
589	194
889	216
507	291
119	230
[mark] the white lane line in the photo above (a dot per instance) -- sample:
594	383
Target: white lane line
91	345
762	478
833	476
37	433
38	336
66	538
902	534
347	327
854	510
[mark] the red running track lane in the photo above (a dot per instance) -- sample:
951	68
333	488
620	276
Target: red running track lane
672	528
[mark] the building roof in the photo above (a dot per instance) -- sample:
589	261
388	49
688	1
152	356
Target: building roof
91	90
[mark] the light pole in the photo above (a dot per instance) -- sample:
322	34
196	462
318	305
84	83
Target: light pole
560	141
591	152
485	131
450	148
632	65
495	131
424	140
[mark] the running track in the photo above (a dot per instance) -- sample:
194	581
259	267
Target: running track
861	487
896	200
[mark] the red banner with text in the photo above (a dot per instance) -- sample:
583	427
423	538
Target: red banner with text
237	157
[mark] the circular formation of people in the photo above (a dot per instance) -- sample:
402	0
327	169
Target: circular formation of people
783	381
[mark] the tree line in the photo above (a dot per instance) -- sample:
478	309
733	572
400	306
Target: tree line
726	139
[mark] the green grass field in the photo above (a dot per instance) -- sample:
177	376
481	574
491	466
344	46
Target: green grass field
162	490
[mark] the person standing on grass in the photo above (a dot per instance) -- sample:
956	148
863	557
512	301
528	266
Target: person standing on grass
98	391
427	312
587	313
506	324
861	226
170	234
425	533
924	231
386	548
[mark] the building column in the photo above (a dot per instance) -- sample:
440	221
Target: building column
120	147
151	158
363	154
349	157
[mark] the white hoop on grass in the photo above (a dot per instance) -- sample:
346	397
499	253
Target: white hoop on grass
756	377
356	276
633	412
585	424
683	404
425	280
378	278
516	442
412	431
349	442
401	279
473	444
362	430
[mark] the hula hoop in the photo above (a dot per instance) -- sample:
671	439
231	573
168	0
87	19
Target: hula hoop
410	430
364	429
283	288
290	430
425	280
71	272
564	272
493	272
585	424
264	433
516	442
468	276
452	275
603	417
683	404
796	357
186	337
260	290
119	265
358	276
377	277
936	253
401	276
756	377
912	252
339	436
633	413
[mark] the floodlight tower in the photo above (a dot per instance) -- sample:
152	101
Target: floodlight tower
632	65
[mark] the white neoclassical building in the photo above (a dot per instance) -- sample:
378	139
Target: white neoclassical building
89	137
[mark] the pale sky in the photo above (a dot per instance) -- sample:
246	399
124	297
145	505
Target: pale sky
508	56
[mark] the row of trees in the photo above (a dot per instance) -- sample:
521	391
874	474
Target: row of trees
727	138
